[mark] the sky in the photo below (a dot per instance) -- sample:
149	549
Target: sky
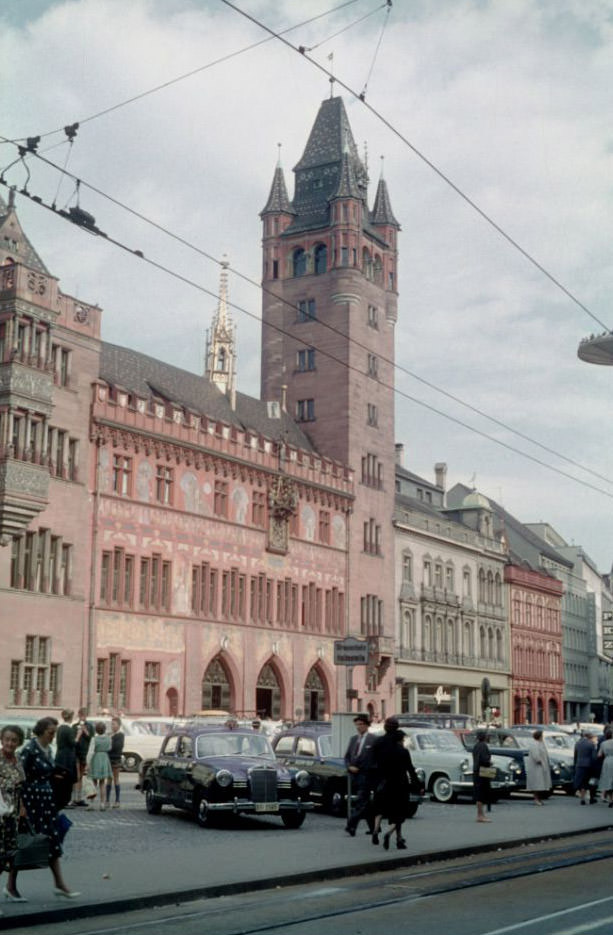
509	99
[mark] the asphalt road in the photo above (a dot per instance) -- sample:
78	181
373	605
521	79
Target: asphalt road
449	899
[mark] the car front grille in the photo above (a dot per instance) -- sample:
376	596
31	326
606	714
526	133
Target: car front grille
263	785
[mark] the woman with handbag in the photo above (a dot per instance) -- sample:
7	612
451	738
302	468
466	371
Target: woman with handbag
396	777
482	770
39	800
11	779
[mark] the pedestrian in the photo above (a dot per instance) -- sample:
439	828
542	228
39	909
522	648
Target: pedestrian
100	765
482	765
256	725
605	754
360	766
65	747
115	756
38	799
538	772
11	779
84	732
584	757
395	777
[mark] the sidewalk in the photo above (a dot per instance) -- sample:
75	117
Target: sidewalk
211	863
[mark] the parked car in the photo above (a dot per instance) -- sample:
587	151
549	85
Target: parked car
561	751
448	767
447	719
215	771
309	746
503	744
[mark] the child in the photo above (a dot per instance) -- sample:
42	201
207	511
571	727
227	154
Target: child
100	767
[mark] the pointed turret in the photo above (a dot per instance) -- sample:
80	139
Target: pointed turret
14	245
278	200
220	359
382	209
348	184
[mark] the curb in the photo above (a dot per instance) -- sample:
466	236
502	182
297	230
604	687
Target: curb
49	915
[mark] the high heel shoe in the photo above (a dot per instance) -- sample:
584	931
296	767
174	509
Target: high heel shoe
66	894
386	842
13	898
375	837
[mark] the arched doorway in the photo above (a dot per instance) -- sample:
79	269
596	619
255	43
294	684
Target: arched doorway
517	718
553	711
540	711
314	696
528	710
172	702
216	687
268	693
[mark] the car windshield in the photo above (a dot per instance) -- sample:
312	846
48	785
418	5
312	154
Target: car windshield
233	745
439	740
325	745
558	742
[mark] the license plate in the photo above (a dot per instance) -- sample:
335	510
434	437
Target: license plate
267	806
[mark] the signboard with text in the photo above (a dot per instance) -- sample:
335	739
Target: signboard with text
351	652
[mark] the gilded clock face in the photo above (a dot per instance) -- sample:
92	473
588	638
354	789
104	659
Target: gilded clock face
81	314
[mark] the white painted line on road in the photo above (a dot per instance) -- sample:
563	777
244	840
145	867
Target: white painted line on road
546	918
586	927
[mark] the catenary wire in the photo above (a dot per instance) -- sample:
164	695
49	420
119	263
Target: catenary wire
445	178
325	353
399	367
311	48
195	71
386	20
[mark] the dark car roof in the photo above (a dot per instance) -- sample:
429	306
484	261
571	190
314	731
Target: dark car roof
304	730
195	727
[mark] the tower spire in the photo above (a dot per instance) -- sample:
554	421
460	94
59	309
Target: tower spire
220	358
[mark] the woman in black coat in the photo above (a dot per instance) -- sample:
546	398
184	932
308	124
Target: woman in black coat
481	757
396	775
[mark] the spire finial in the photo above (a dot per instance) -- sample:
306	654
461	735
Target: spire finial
331	78
382	166
279	145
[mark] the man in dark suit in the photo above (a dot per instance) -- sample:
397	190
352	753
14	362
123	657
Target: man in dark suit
585	758
360	766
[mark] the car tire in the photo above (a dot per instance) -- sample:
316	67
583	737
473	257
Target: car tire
153	806
293	819
202	811
334	801
441	789
131	762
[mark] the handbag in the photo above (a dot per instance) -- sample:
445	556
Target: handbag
88	789
5	808
487	772
32	850
63	825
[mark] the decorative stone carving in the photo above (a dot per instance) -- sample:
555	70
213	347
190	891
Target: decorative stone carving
282	502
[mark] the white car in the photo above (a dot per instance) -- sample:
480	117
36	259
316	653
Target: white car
448	766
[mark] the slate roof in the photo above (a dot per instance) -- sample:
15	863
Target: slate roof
13	241
278	200
145	376
525	547
382	209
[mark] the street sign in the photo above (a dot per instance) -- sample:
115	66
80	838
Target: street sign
607	630
350	652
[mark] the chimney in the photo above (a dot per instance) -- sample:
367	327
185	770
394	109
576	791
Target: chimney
440	474
399	454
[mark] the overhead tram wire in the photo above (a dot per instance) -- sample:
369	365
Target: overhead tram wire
399	367
190	282
201	68
445	178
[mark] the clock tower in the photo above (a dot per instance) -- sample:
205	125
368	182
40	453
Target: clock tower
329	311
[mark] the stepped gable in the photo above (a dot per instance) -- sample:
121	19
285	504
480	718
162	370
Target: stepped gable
14	244
145	377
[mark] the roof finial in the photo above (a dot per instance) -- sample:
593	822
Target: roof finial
279	145
366	156
382	165
11	197
332	78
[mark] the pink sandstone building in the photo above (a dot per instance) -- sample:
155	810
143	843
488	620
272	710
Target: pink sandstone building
170	544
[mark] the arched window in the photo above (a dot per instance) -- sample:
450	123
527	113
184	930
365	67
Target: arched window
468	647
367	263
299	262
221	359
428	633
482	643
321	258
378	270
490	643
481	586
439	635
498	590
490	588
499	647
407	635
450	638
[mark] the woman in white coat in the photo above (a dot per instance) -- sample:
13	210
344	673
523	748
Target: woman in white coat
538	774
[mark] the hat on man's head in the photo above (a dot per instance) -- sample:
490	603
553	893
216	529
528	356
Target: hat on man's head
361	717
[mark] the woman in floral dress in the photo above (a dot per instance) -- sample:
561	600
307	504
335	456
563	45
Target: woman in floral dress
38	798
11	778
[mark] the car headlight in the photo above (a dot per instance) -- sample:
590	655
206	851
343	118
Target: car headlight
302	778
465	766
556	769
224	778
421	775
515	767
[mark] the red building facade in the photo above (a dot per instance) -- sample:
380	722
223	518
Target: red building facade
537	683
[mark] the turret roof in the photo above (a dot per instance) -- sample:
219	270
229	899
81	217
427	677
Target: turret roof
278	200
382	209
13	241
